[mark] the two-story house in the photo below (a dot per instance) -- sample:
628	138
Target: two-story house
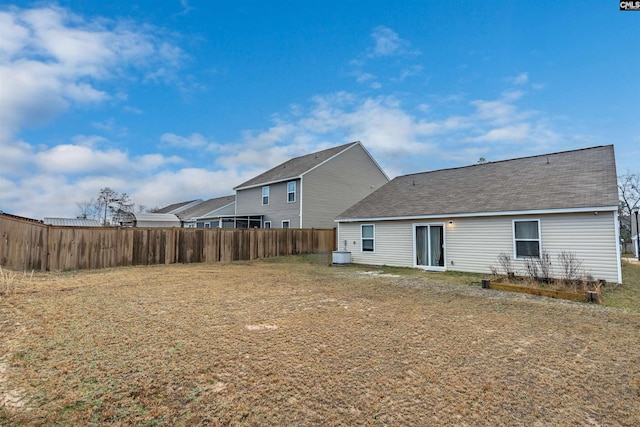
310	191
212	213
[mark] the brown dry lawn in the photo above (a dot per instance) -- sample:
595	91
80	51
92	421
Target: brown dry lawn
294	342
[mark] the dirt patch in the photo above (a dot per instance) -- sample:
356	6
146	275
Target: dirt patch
291	343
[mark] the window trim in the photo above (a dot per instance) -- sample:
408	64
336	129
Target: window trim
515	245
444	246
267	224
288	223
291	192
266	187
373	239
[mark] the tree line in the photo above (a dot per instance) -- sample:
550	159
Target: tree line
629	199
110	207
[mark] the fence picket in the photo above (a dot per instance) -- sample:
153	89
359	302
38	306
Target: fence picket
30	245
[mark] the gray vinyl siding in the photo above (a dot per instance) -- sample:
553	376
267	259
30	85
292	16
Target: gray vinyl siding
249	202
474	244
393	243
336	185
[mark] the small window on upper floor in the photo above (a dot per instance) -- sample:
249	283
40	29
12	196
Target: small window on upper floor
291	192
265	195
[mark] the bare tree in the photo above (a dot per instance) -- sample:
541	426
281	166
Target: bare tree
120	207
112	205
87	210
106	196
629	193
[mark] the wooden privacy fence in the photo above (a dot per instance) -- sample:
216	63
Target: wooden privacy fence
30	245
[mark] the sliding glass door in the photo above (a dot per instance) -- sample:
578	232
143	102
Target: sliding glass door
429	246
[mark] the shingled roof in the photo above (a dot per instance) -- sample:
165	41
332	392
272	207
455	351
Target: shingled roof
175	206
206	207
295	167
575	179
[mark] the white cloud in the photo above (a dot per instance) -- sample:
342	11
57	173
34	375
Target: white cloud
84	158
90	141
401	139
70	159
194	140
50	61
12	36
500	111
520	79
15	155
185	7
514	133
188	183
388	43
362	77
51	58
413	70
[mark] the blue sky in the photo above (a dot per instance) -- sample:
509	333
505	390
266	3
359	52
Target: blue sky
175	100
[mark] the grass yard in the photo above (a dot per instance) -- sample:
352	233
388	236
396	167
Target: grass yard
291	341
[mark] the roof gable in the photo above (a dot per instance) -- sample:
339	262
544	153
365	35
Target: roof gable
567	180
176	206
205	207
295	167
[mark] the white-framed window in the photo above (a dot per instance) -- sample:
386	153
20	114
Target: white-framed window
265	195
368	237
291	192
286	223
429	246
207	225
267	224
526	238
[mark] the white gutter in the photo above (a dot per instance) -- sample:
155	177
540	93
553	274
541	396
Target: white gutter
483	214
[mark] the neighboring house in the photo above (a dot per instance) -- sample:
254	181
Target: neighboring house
178	207
72	222
309	191
463	218
150	220
213	213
